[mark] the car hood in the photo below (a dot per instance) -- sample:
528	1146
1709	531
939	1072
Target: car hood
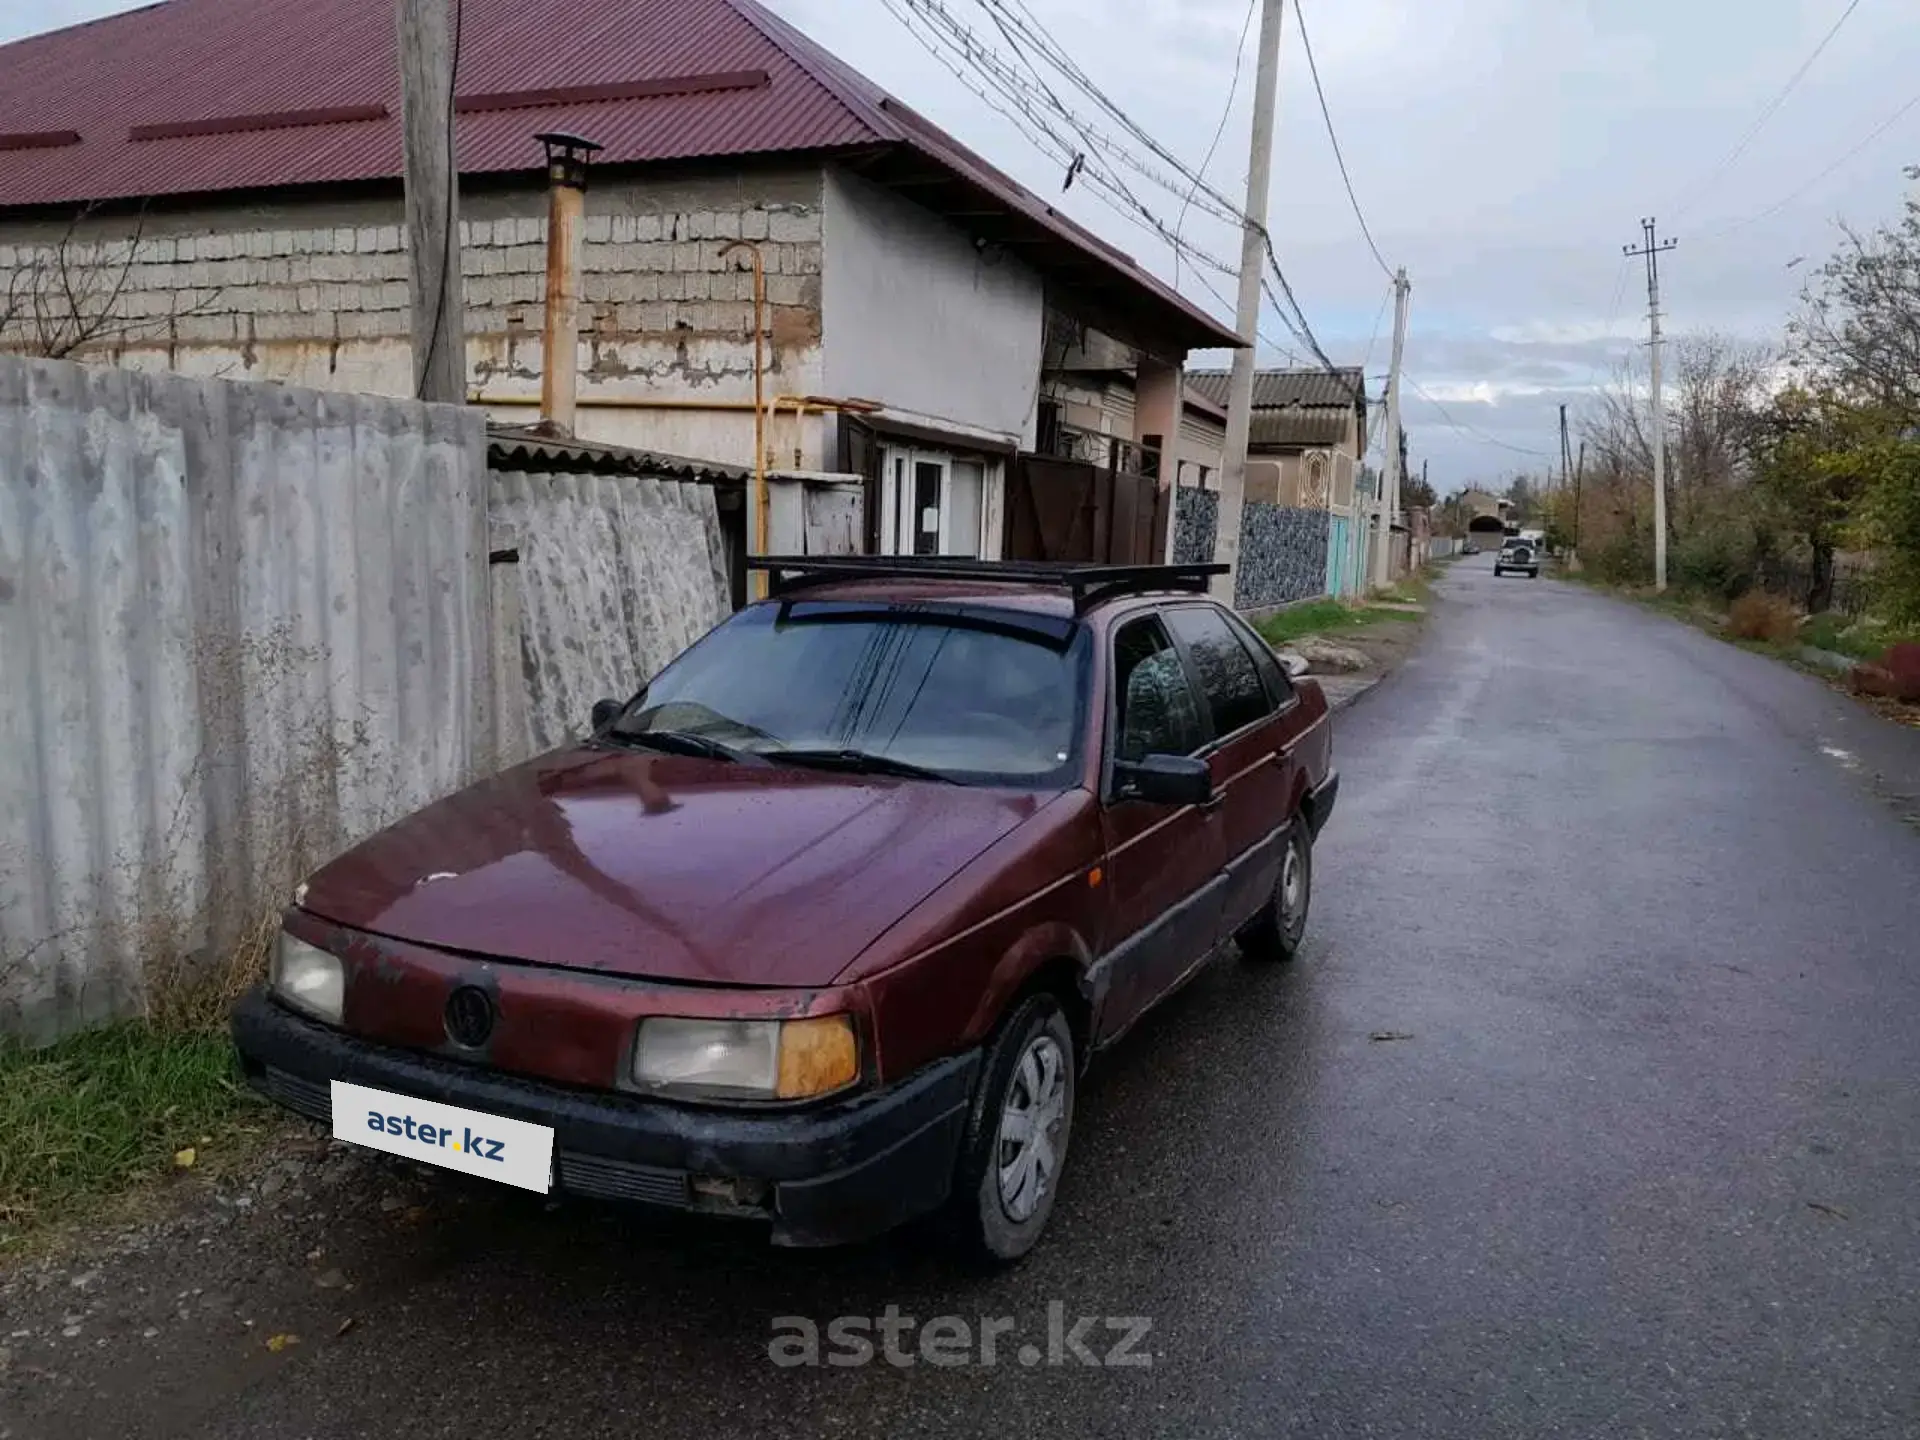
666	867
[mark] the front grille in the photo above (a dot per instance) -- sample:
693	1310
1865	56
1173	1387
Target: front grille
605	1179
312	1098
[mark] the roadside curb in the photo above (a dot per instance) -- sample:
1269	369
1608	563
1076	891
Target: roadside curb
1350	688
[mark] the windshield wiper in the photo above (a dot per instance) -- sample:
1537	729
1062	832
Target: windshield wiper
681	742
857	762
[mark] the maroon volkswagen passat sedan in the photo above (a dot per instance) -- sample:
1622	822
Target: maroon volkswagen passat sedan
822	926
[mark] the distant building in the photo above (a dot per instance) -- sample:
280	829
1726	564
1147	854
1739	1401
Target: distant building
1487	514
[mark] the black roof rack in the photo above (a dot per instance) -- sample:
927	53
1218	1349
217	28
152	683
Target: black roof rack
1087	583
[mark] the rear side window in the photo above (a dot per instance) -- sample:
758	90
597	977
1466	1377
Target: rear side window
1228	677
1154	706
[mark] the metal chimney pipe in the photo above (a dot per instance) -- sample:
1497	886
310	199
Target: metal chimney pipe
567	157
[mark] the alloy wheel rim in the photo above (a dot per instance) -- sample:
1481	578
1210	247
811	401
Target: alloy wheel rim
1027	1154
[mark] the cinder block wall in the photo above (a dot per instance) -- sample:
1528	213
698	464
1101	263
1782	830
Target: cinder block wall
314	292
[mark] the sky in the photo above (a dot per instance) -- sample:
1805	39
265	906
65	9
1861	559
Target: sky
1503	152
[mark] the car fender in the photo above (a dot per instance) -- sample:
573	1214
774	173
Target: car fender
1050	944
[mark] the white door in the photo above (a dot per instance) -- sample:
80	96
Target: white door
931	503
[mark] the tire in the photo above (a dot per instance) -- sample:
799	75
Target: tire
1275	934
994	1222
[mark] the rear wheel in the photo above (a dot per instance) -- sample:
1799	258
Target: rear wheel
1016	1142
1276	932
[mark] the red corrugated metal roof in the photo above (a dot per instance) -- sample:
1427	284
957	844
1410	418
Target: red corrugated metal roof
247	70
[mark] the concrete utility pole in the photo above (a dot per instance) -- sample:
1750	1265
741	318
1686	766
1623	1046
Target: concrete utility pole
1652	247
1390	485
432	202
1246	315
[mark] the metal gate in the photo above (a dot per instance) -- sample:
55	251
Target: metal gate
1074	510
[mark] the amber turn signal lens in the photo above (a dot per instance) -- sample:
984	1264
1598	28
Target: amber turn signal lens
817	1056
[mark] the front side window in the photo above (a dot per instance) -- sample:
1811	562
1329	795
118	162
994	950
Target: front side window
1228	678
972	702
1280	689
1155	710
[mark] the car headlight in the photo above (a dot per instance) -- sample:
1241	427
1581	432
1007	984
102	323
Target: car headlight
747	1059
308	978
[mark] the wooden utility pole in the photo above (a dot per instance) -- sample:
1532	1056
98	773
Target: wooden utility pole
1390	483
1246	315
428	54
1566	453
1652	247
1579	472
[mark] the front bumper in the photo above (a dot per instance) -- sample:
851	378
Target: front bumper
835	1172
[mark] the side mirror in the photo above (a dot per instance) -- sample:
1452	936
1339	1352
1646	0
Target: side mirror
1165	780
1296	665
605	712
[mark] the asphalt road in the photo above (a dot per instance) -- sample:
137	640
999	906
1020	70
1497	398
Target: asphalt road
1591	1108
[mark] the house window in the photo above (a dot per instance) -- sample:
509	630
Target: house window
934	503
1048	439
1149	456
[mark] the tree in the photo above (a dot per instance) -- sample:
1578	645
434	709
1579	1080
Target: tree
1416	494
1718	383
1813	455
1524	493
1858	339
1860	321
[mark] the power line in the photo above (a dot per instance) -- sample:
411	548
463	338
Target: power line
1776	208
955	45
1056	55
1313	68
1767	111
1447	417
1112	192
1613	314
1304	331
1213	145
945	36
1374	338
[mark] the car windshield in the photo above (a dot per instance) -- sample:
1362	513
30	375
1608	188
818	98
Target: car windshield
884	690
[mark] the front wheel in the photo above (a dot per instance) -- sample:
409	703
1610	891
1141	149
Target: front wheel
1016	1142
1276	932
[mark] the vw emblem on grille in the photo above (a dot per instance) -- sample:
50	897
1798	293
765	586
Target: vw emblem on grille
469	1016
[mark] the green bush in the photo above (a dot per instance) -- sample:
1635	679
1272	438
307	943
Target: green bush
1889	524
1625	558
1717	561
